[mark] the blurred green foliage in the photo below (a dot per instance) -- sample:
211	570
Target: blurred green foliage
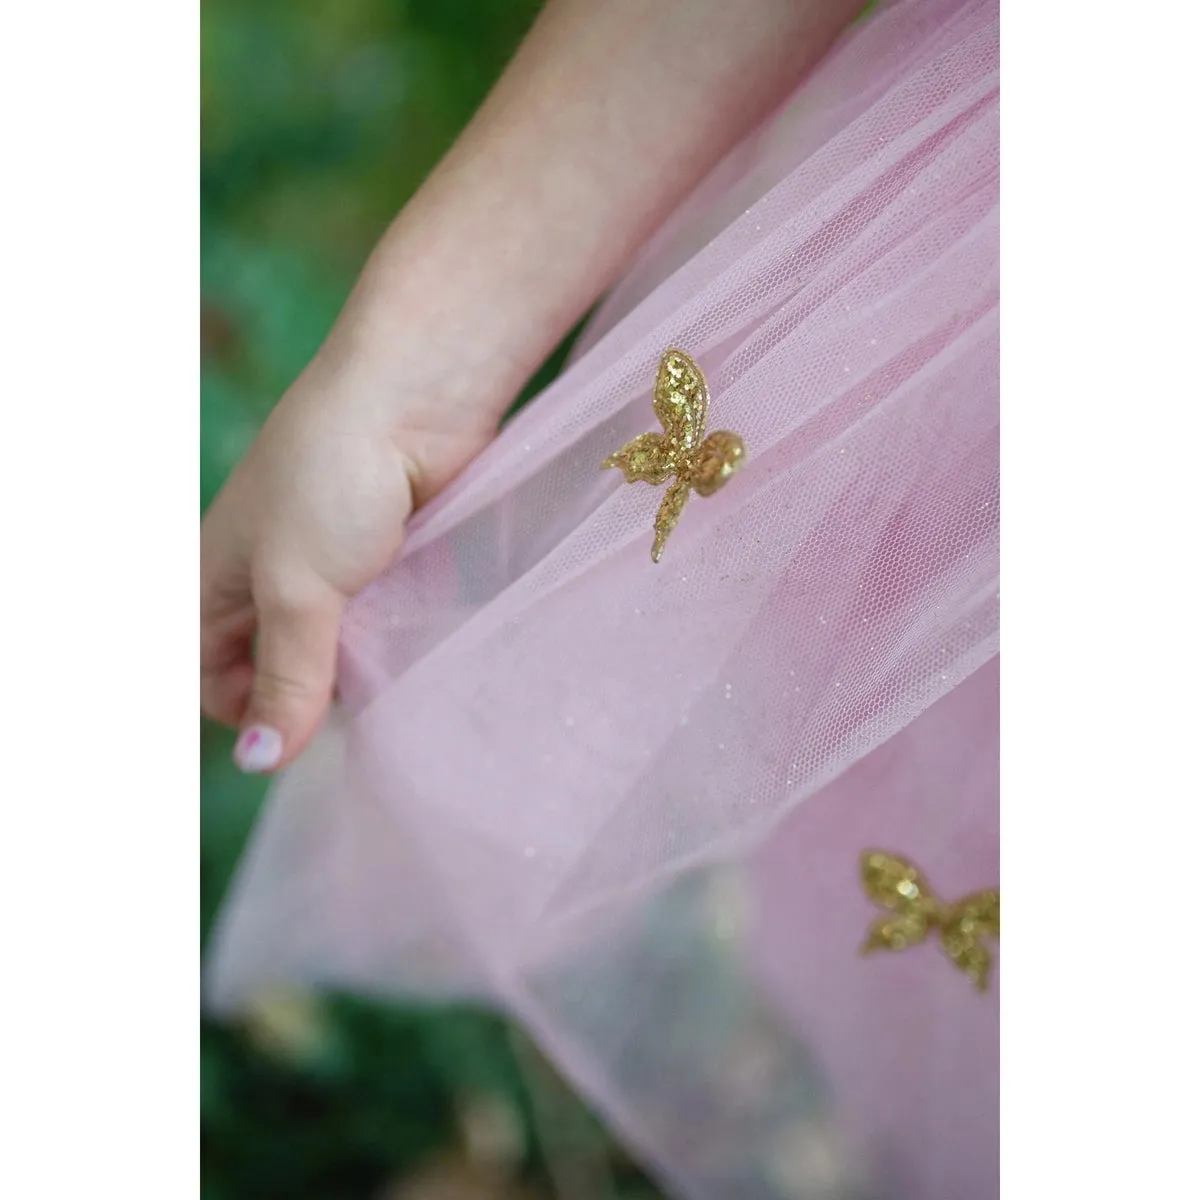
319	120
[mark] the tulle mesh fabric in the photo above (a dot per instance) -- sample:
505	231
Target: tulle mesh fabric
626	801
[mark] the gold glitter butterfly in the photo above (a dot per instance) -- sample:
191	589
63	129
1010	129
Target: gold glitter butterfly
698	463
896	885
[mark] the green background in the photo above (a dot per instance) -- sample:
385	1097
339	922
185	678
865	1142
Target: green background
319	119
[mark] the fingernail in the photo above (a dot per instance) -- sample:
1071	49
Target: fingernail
258	749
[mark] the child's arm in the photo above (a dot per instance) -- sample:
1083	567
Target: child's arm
608	115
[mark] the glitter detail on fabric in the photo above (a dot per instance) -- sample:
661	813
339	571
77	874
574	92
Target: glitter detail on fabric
895	884
698	463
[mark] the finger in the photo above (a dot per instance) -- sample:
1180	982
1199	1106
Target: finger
294	667
225	694
227	624
227	665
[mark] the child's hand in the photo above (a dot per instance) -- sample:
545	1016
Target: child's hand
582	149
314	512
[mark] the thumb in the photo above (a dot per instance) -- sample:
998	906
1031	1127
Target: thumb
294	667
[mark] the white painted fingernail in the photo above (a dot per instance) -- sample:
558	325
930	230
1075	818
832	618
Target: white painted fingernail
258	749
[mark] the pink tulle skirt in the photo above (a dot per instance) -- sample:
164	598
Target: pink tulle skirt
627	802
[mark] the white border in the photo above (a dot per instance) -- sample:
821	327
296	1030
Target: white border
99	218
98	892
1101	841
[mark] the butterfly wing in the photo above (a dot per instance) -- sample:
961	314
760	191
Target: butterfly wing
897	932
720	456
978	913
893	882
965	925
681	400
647	459
668	516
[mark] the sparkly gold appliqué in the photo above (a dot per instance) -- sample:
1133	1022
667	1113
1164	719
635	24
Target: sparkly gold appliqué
913	911
697	463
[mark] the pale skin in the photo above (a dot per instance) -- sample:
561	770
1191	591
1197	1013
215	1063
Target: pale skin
608	115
